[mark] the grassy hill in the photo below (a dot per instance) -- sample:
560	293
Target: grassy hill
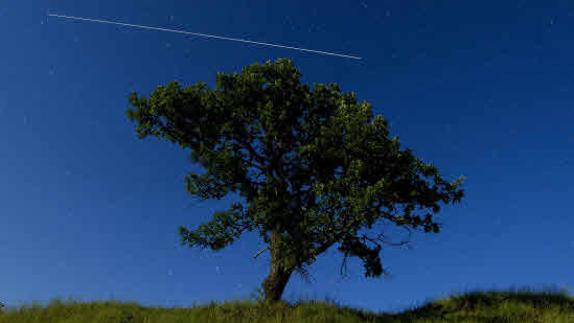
472	307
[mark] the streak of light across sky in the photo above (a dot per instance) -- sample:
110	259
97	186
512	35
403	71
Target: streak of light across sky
184	32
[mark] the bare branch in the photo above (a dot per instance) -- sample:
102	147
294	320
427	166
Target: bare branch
260	252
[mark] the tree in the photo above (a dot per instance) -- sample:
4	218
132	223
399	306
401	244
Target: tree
314	167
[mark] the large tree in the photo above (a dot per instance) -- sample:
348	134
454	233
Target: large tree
314	167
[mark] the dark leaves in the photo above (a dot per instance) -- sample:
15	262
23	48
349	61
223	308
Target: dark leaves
311	163
221	231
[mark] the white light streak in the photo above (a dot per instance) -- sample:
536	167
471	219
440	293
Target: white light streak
176	31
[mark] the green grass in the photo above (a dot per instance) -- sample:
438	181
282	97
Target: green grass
512	306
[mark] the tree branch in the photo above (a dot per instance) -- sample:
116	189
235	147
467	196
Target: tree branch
260	252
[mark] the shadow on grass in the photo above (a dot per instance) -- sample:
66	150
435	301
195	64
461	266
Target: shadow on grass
512	303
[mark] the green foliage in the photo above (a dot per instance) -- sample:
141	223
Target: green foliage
473	307
315	168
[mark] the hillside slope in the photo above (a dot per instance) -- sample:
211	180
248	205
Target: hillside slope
473	307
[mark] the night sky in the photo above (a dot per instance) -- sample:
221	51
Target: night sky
483	89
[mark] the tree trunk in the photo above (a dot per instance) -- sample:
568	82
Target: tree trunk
275	283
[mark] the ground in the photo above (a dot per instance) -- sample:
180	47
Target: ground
511	306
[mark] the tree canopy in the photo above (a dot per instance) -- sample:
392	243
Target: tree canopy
315	167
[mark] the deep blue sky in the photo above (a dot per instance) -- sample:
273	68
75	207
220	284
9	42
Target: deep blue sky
482	89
